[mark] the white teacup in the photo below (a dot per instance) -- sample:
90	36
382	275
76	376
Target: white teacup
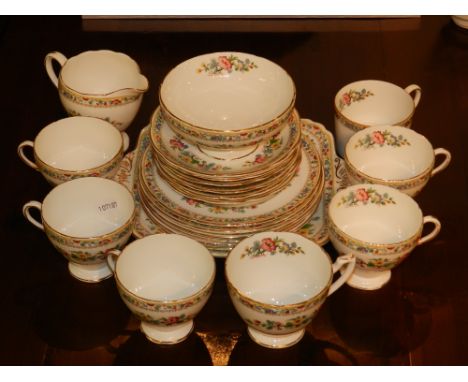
393	156
84	219
165	280
380	226
372	102
278	281
76	147
99	83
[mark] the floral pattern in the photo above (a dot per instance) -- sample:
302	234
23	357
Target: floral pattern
97	101
190	158
271	246
378	263
363	196
273	144
312	304
353	96
291	323
382	138
74	113
374	250
227	64
164	321
165	307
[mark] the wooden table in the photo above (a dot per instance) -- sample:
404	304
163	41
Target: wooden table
419	318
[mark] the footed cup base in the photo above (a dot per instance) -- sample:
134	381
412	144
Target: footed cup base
166	335
369	280
90	273
278	341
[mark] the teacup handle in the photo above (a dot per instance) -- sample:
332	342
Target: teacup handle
417	93
60	58
112	258
126	141
434	232
445	162
23	156
27	214
337	265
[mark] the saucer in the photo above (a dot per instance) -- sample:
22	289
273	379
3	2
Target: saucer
315	229
203	159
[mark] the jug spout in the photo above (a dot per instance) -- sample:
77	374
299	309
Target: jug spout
140	86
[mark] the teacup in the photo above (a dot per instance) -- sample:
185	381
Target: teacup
102	84
227	100
76	147
165	280
393	156
84	219
278	281
380	226
372	102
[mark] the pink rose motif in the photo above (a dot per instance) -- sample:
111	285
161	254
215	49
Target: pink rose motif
224	63
378	137
346	99
191	202
259	159
362	195
176	143
172	320
268	245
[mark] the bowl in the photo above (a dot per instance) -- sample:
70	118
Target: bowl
227	100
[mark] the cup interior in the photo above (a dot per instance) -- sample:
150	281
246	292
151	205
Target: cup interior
165	267
87	207
374	102
375	214
279	279
390	153
78	143
227	91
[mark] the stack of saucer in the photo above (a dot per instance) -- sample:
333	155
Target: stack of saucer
226	157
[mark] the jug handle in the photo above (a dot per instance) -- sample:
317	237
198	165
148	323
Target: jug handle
60	58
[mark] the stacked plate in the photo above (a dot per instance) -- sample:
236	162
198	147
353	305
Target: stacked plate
222	170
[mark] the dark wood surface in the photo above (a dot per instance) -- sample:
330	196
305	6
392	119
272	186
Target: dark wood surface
419	318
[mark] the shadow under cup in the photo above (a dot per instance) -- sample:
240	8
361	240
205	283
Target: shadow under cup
84	219
380	226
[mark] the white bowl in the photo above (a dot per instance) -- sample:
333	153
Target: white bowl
227	99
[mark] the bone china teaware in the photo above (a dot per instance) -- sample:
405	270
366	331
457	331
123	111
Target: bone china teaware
372	102
278	281
393	156
76	147
99	83
165	280
380	226
84	219
227	100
